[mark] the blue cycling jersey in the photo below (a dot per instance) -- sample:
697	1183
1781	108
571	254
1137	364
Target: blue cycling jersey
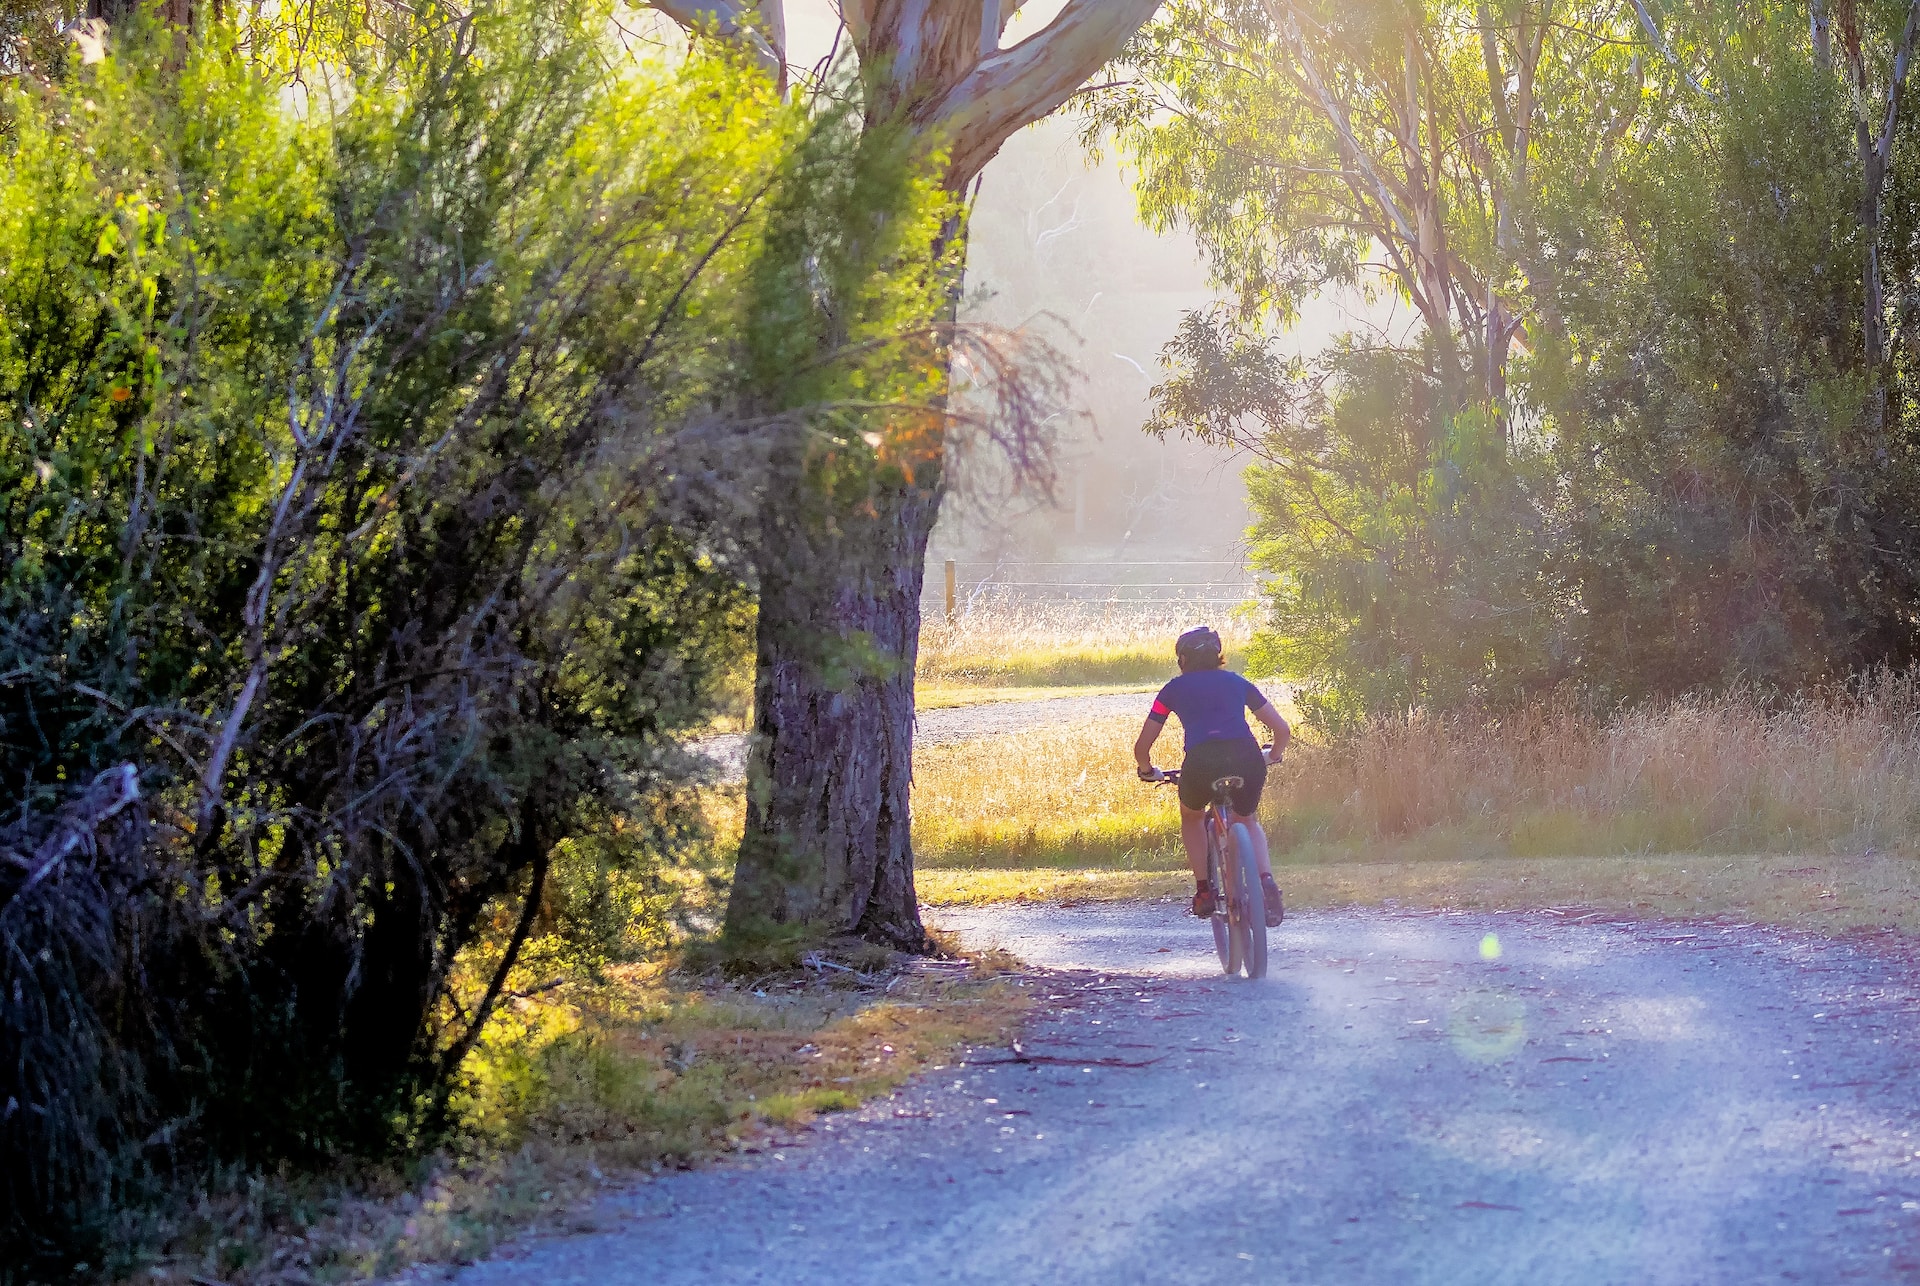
1212	705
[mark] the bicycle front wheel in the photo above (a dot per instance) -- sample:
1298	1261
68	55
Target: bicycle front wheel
1252	903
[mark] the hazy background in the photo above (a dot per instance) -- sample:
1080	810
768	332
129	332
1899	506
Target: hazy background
1055	243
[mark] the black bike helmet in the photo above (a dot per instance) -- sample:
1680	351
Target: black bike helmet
1199	644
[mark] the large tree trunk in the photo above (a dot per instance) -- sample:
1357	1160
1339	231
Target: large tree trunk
828	844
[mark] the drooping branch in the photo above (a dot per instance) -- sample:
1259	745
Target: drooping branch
1496	76
111	793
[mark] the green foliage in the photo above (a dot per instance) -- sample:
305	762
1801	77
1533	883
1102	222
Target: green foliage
371	456
1638	439
1402	542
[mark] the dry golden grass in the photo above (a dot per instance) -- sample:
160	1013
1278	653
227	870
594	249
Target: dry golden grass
1060	796
1830	772
575	1088
976	886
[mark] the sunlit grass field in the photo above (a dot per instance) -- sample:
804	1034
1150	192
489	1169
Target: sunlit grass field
947	696
1007	652
1064	646
1055	797
1807	813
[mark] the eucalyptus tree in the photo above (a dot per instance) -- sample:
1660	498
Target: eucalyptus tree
1648	429
828	841
1393	151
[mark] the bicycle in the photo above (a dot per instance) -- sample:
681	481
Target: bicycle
1239	906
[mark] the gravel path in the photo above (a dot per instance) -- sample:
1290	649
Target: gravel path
959	723
1604	1102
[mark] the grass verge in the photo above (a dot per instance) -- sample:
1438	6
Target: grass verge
1053	797
1801	815
584	1086
1822	895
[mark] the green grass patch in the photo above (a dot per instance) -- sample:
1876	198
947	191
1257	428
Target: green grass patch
1818	894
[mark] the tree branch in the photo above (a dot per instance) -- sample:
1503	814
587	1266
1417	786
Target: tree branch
529	909
1666	50
760	25
1902	58
1015	87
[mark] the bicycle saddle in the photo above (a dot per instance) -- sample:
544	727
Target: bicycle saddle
1229	783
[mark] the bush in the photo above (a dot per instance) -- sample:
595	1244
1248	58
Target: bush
368	469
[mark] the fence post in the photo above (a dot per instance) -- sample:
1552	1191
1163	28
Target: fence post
950	586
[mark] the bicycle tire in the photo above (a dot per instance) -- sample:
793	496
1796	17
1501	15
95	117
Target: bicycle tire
1253	904
1224	943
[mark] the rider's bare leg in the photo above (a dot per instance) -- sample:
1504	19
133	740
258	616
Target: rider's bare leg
1259	843
1193	834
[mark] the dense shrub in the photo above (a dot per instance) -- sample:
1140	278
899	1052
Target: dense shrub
369	468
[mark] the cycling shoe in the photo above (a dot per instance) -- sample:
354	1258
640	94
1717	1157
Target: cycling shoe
1276	905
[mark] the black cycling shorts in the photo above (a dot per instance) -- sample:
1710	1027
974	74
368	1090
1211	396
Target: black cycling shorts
1209	761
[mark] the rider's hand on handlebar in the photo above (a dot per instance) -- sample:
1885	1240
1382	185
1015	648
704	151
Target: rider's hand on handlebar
1273	754
1149	773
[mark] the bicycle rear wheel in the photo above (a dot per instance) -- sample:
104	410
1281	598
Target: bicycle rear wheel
1225	945
1252	929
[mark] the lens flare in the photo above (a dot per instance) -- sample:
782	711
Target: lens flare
1490	947
1487	1026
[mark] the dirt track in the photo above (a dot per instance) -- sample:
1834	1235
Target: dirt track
1603	1102
959	723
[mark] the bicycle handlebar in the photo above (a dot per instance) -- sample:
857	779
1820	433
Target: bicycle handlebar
1171	776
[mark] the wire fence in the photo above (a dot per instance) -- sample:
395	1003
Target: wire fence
957	588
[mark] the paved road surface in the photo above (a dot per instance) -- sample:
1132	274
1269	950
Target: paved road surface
1602	1103
959	723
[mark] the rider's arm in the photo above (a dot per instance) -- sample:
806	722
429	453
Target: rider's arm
1143	744
1282	730
1150	733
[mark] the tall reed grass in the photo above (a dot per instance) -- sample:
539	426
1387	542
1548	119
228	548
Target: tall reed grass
1833	769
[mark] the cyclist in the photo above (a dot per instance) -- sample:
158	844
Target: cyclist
1212	703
